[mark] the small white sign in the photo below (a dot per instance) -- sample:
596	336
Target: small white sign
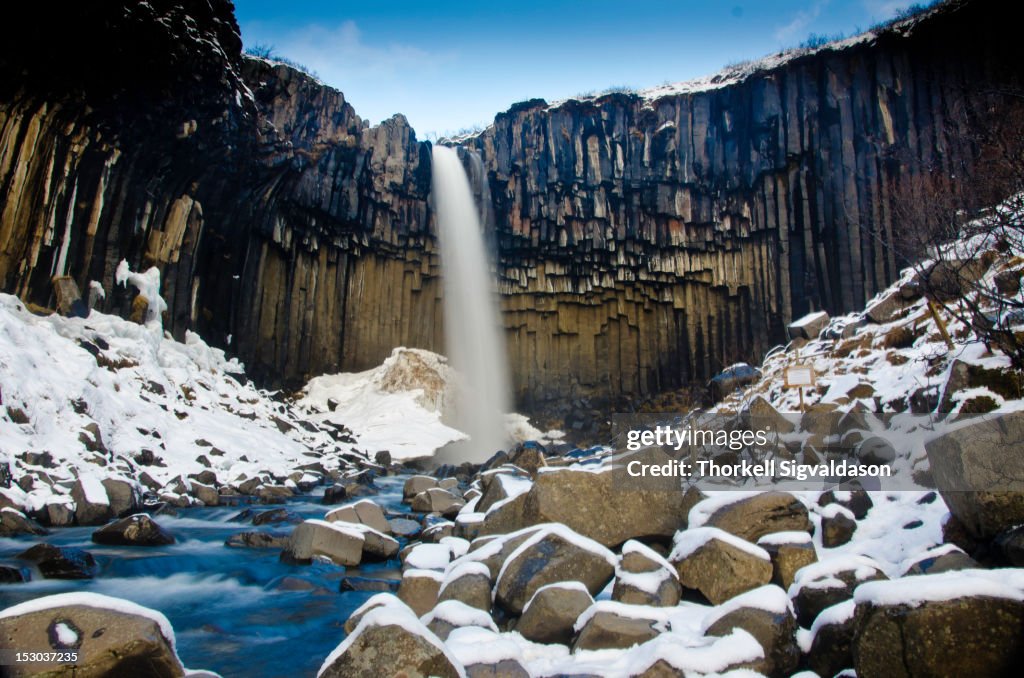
798	376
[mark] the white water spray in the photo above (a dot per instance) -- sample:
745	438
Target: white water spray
473	335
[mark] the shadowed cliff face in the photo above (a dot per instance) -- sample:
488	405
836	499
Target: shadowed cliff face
643	243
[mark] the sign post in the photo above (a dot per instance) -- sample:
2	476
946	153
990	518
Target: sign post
798	376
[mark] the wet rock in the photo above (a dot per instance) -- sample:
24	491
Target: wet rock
335	494
14	523
60	562
607	628
257	540
718	565
137	530
762	514
275	516
390	642
343	546
553	554
551	613
14	575
113	637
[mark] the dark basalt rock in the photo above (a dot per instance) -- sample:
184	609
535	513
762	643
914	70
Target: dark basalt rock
137	530
60	562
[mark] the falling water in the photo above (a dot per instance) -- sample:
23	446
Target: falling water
473	337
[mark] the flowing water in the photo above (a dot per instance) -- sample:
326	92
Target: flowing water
237	611
473	336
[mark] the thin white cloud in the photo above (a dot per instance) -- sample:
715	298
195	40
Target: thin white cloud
798	25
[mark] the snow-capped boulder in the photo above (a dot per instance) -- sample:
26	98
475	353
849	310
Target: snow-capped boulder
341	544
137	530
643	577
611	625
364	511
122	495
717	564
113	637
452	614
767	615
830	582
486	654
60	562
809	326
92	505
980	476
468	582
831	639
419	589
953	624
554	554
551	613
837	526
390	641
789	551
755	516
855	499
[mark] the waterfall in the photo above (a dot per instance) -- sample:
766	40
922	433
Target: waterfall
473	334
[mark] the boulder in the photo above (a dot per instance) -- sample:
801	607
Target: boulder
789	552
275	516
113	637
13	523
643	577
14	575
415	485
764	613
486	654
809	326
762	514
92	505
385	599
390	641
550	615
365	512
376	545
887	308
980	476
935	627
468	583
436	500
830	582
832	636
732	378
60	562
717	564
122	495
137	530
273	494
205	493
837	526
945	558
452	614
58	514
554	554
341	544
855	499
403	527
613	626
257	540
419	589
610	507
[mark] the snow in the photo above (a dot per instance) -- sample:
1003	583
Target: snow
659	616
429	557
809	319
769	598
822	574
148	285
385	615
65	634
778	538
348	529
429	574
1006	583
457	613
836	510
93	489
96	600
475	645
686	542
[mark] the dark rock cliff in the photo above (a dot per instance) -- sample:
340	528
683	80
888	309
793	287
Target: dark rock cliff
644	242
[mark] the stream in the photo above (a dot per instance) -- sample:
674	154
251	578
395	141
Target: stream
236	611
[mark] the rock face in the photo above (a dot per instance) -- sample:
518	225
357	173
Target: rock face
113	637
642	242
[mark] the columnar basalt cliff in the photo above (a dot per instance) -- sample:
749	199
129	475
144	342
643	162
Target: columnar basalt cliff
644	241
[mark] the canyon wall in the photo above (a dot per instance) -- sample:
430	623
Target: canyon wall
644	242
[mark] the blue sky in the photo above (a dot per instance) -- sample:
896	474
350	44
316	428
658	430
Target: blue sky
452	65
